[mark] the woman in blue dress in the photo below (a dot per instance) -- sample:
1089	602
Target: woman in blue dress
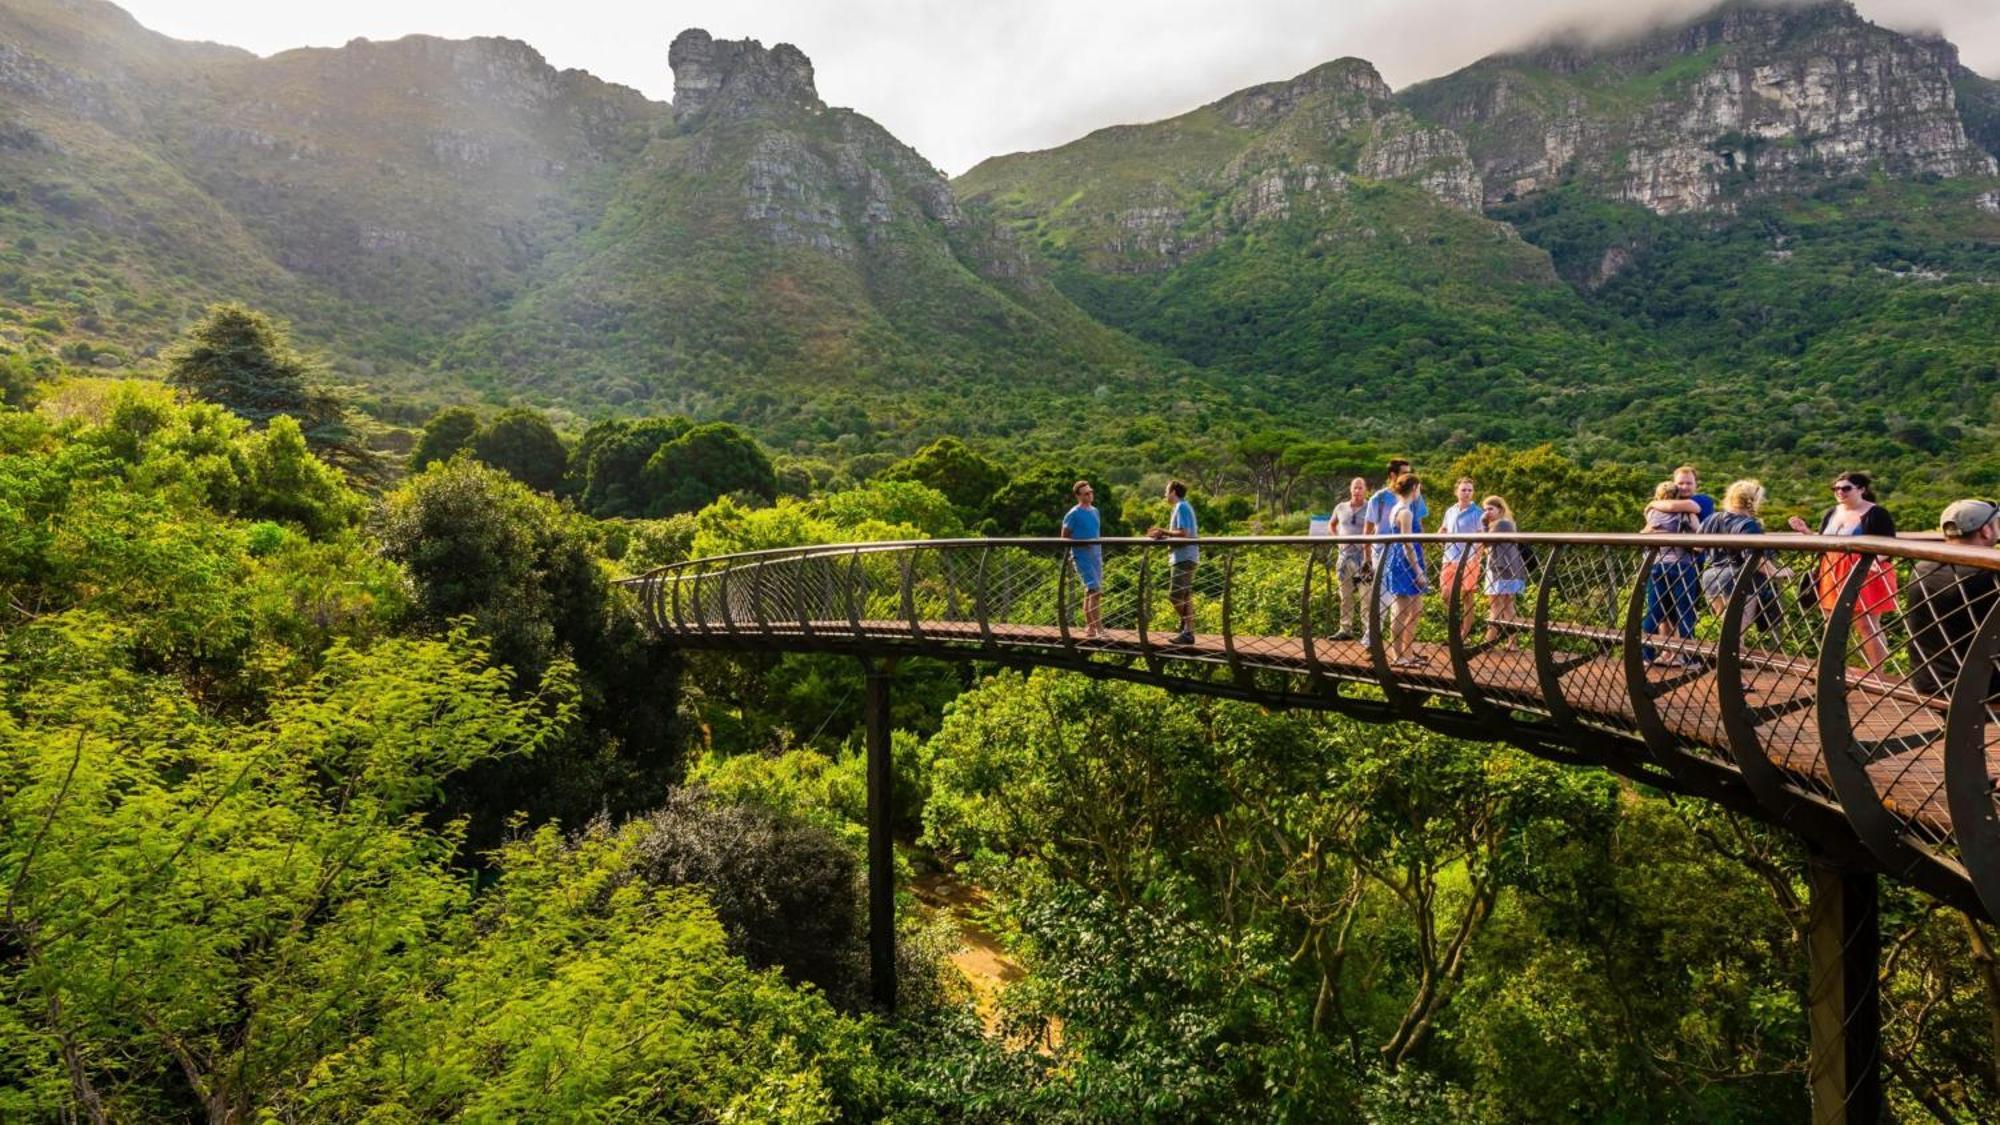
1403	575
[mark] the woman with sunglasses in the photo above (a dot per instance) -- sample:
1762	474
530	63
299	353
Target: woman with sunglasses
1855	513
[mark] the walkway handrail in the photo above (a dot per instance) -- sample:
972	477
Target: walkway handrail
1916	550
1805	679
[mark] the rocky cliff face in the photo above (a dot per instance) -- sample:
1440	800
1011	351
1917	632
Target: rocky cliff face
733	80
1747	101
826	180
766	236
1139	198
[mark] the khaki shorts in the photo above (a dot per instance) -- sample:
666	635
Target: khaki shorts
1182	583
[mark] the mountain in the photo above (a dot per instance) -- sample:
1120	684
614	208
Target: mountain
765	241
1320	249
456	217
1748	100
1767	229
380	194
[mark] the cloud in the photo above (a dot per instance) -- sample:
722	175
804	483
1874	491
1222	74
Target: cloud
961	81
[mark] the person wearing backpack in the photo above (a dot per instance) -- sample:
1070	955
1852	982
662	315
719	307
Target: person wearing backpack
1722	569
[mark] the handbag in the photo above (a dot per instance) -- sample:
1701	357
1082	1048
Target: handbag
1807	589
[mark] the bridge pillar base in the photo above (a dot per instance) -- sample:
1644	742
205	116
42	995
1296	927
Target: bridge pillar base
881	846
1843	997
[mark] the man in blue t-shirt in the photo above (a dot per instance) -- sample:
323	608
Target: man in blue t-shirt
1085	522
1181	525
1384	501
1461	560
1688	483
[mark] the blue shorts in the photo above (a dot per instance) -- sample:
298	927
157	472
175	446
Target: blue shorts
1089	566
1506	585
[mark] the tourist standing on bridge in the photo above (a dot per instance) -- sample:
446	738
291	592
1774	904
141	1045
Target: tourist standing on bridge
1721	570
1687	483
1384	502
1085	522
1855	512
1181	525
1403	574
1950	601
1350	520
1460	570
1377	522
1672	581
1506	567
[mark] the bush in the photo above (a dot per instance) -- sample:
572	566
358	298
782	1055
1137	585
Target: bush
788	893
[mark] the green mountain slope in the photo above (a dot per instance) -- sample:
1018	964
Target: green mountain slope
451	218
1314	246
380	194
766	244
1771	229
1767	228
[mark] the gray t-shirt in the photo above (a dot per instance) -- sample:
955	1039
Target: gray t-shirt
1350	518
1673	523
1503	560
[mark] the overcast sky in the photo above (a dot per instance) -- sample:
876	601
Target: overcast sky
961	80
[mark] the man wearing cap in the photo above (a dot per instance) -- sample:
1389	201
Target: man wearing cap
1950	602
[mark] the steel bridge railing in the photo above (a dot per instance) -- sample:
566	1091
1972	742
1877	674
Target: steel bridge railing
1842	688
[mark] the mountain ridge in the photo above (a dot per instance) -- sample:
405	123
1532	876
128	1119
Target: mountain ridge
455	219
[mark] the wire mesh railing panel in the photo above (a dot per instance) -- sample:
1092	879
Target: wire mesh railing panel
1687	593
1897	704
1265	590
1495	615
1588	591
1784	630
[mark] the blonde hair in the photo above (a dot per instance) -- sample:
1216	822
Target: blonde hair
1689	470
1506	513
1666	490
1744	496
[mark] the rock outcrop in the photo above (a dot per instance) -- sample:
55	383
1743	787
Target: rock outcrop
1750	100
729	80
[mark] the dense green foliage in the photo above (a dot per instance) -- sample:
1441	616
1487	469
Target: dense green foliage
521	443
477	546
263	752
328	794
449	432
229	894
1233	915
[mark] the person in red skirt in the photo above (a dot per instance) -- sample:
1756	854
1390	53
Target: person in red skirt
1855	512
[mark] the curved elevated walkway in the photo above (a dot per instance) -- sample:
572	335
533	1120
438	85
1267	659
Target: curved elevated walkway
1873	739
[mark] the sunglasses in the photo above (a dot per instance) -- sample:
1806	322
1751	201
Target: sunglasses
1843	488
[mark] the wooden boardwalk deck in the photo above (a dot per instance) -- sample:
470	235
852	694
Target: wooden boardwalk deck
1909	729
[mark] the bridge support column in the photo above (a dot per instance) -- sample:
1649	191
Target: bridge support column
881	847
1843	998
